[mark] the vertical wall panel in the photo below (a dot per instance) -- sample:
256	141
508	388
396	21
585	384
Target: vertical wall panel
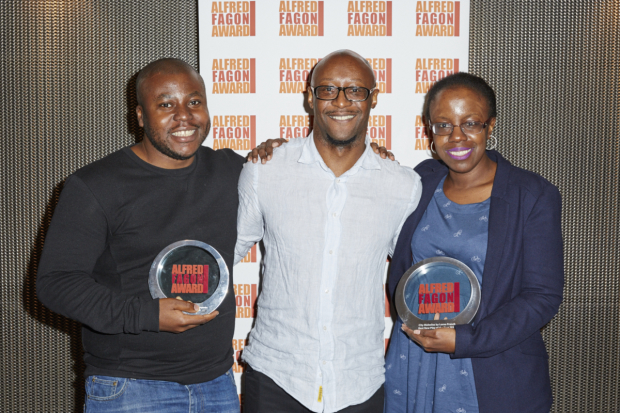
66	66
556	68
66	69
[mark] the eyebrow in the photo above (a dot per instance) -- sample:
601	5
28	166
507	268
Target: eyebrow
330	79
167	96
465	116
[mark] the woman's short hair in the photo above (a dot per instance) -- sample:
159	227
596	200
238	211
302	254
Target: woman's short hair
461	79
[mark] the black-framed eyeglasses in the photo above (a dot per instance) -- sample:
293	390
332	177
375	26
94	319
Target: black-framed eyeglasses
351	93
470	127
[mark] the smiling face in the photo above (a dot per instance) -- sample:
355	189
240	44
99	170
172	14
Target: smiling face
341	122
461	153
174	116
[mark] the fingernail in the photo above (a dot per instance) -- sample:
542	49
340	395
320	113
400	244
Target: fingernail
196	307
416	331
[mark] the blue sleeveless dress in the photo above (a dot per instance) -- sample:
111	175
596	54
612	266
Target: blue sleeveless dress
421	382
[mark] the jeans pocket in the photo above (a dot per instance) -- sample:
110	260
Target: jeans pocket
104	387
230	374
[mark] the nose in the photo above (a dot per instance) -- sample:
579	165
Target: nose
457	135
341	100
183	113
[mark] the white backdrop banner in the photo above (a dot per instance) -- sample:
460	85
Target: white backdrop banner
256	56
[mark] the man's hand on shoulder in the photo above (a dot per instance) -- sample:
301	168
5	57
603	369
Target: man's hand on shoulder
172	319
382	151
264	151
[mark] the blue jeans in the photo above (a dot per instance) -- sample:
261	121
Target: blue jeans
117	394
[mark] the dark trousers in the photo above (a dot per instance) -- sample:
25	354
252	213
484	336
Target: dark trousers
263	395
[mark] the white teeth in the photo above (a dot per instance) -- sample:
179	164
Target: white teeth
184	132
460	153
346	117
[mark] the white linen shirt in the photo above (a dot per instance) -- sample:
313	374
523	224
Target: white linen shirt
319	331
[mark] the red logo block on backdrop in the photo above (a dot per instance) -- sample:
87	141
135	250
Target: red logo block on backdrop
294	74
251	255
369	18
233	18
428	71
295	126
421	140
234	76
238	345
438	18
301	18
380	130
236	132
245	298
382	69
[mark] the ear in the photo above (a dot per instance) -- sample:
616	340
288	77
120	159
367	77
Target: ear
491	125
427	128
310	98
373	98
139	115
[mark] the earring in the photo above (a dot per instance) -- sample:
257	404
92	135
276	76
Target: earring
432	149
493	141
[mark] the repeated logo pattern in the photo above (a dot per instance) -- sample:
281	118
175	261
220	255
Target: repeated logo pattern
256	59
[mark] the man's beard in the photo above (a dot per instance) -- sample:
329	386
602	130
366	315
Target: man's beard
339	144
160	145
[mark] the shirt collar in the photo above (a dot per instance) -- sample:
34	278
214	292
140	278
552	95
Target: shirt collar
310	154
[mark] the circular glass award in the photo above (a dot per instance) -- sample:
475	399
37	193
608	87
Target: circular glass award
437	292
191	271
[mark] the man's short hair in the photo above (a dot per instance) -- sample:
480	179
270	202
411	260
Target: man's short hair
167	65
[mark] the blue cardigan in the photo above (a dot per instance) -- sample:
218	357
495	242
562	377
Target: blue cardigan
522	286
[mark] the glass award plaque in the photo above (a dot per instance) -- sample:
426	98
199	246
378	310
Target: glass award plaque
437	292
191	271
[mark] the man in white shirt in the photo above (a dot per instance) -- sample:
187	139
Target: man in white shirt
329	212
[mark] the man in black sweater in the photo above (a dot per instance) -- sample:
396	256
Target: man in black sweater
113	217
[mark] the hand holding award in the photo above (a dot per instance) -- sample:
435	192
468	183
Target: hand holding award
194	278
432	297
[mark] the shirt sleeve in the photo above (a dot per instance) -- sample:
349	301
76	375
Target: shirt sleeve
76	239
250	223
416	194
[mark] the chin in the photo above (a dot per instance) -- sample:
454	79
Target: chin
464	166
340	142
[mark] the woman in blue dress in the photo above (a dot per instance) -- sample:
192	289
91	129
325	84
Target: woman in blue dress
504	223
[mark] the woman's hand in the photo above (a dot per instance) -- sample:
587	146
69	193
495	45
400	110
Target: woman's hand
441	340
264	151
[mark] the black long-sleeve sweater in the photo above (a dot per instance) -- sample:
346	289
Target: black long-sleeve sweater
113	217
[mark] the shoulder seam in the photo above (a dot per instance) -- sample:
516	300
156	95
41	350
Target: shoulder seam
107	218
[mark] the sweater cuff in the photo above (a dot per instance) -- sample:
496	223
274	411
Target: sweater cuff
149	314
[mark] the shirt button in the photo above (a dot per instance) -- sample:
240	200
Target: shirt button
323	361
324	328
326	291
334	214
331	251
338	181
